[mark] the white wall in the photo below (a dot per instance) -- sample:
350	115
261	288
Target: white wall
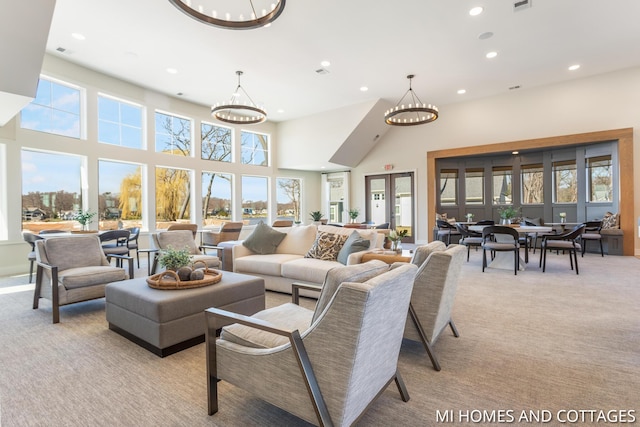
599	103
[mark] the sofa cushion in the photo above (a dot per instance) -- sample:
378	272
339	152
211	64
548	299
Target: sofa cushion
326	246
308	270
264	239
298	239
610	220
372	235
354	243
270	264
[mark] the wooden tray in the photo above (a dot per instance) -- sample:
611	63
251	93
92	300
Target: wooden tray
169	280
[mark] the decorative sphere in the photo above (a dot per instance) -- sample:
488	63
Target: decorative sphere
184	273
197	275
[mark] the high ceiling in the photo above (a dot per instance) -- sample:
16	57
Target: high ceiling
369	43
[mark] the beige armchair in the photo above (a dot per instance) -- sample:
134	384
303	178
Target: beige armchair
76	269
228	232
184	226
434	290
324	366
179	239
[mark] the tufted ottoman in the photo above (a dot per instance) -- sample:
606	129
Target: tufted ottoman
167	321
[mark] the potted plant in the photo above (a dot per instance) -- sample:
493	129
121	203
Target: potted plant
174	259
353	214
316	216
84	218
507	213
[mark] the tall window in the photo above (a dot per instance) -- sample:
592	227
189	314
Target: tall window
51	189
55	109
502	194
565	182
255	149
600	179
216	196
172	194
474	186
448	187
173	135
255	198
216	142
288	193
119	193
119	122
532	184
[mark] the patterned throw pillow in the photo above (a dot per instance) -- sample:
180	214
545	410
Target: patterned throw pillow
326	246
610	220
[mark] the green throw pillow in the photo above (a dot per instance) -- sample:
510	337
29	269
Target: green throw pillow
264	239
355	243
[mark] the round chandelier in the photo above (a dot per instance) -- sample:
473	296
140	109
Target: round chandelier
233	111
414	113
232	14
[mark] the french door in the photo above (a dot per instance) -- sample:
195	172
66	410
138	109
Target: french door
390	199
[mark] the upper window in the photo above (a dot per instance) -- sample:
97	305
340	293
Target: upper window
255	149
474	186
173	135
600	179
55	109
502	194
288	195
448	187
532	184
119	122
565	182
216	142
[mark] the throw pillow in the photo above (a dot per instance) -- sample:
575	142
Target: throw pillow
264	239
610	220
326	246
354	243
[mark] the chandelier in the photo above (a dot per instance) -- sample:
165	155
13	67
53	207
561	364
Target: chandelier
232	14
239	113
414	113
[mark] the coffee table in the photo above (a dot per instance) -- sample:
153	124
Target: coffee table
167	321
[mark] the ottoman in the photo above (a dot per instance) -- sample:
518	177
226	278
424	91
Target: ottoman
167	321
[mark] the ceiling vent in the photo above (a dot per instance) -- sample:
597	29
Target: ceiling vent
61	50
521	5
322	71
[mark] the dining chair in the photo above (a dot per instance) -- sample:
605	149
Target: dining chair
497	238
115	242
591	233
282	223
565	242
132	243
31	239
445	230
469	238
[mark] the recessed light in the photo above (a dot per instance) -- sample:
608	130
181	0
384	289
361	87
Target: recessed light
491	55
325	63
172	71
280	110
364	89
515	152
485	35
462	91
476	11
78	36
574	67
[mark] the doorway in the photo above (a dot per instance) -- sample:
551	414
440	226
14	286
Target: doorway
390	199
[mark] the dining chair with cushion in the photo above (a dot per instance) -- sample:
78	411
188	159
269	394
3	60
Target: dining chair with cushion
469	238
591	233
229	231
181	239
497	238
434	290
31	239
565	242
282	223
182	226
132	243
115	242
446	230
325	366
73	269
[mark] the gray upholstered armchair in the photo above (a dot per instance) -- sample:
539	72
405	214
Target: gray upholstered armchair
76	269
434	291
179	239
229	231
324	366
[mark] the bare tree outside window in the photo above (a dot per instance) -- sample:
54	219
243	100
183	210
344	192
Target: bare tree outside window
565	178
532	184
600	179
288	197
217	145
173	135
502	191
254	149
448	187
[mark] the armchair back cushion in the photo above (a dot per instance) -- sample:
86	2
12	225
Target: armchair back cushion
177	239
72	252
421	253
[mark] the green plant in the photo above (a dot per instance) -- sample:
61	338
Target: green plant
316	215
396	235
84	218
508	212
353	213
173	259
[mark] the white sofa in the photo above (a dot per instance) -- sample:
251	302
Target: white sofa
288	264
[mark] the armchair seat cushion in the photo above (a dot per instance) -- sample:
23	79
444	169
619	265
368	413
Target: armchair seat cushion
212	261
81	277
286	316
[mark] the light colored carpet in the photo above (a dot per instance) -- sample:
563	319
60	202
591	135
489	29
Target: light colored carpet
539	342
